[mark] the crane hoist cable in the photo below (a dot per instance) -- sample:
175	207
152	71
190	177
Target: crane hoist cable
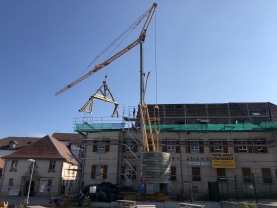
148	15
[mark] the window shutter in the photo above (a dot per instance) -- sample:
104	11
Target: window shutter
265	148
105	169
246	173
107	149
164	146
236	148
201	147
94	148
211	146
93	168
122	173
134	176
256	147
173	173
225	147
177	146
188	146
221	174
150	146
250	147
196	174
123	146
135	149
266	172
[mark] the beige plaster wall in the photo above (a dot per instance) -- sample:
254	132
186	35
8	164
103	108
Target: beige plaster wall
40	174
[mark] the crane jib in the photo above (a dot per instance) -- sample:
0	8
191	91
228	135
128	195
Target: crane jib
117	55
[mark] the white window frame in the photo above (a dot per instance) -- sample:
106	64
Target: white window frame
129	145
218	146
242	148
194	149
171	146
101	146
99	172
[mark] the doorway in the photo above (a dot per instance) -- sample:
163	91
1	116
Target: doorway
32	193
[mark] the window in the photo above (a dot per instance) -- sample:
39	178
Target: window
196	176
260	148
49	182
11	182
171	146
130	173
173	173
14	165
101	146
218	146
194	148
129	145
266	172
242	146
221	175
52	165
246	174
99	171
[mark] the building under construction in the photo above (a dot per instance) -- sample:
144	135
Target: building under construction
232	145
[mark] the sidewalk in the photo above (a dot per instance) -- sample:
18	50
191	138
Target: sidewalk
32	200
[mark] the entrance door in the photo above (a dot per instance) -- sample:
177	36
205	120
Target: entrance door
32	193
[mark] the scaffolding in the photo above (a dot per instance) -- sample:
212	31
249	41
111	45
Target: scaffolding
185	119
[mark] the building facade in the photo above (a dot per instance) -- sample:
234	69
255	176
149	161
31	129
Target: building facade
233	144
55	169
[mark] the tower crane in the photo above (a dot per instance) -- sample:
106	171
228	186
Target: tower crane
148	15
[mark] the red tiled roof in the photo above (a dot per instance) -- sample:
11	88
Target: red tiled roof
71	137
45	148
20	142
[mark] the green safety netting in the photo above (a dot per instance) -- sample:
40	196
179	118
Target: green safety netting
264	126
98	126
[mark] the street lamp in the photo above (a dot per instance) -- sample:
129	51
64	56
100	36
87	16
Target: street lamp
33	162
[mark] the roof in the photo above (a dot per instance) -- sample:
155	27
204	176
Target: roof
215	113
20	142
45	148
70	137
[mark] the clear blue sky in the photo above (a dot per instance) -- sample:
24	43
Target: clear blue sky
207	51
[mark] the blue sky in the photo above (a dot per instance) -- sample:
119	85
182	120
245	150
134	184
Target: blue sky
204	51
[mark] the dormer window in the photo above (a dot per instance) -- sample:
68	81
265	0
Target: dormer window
12	144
